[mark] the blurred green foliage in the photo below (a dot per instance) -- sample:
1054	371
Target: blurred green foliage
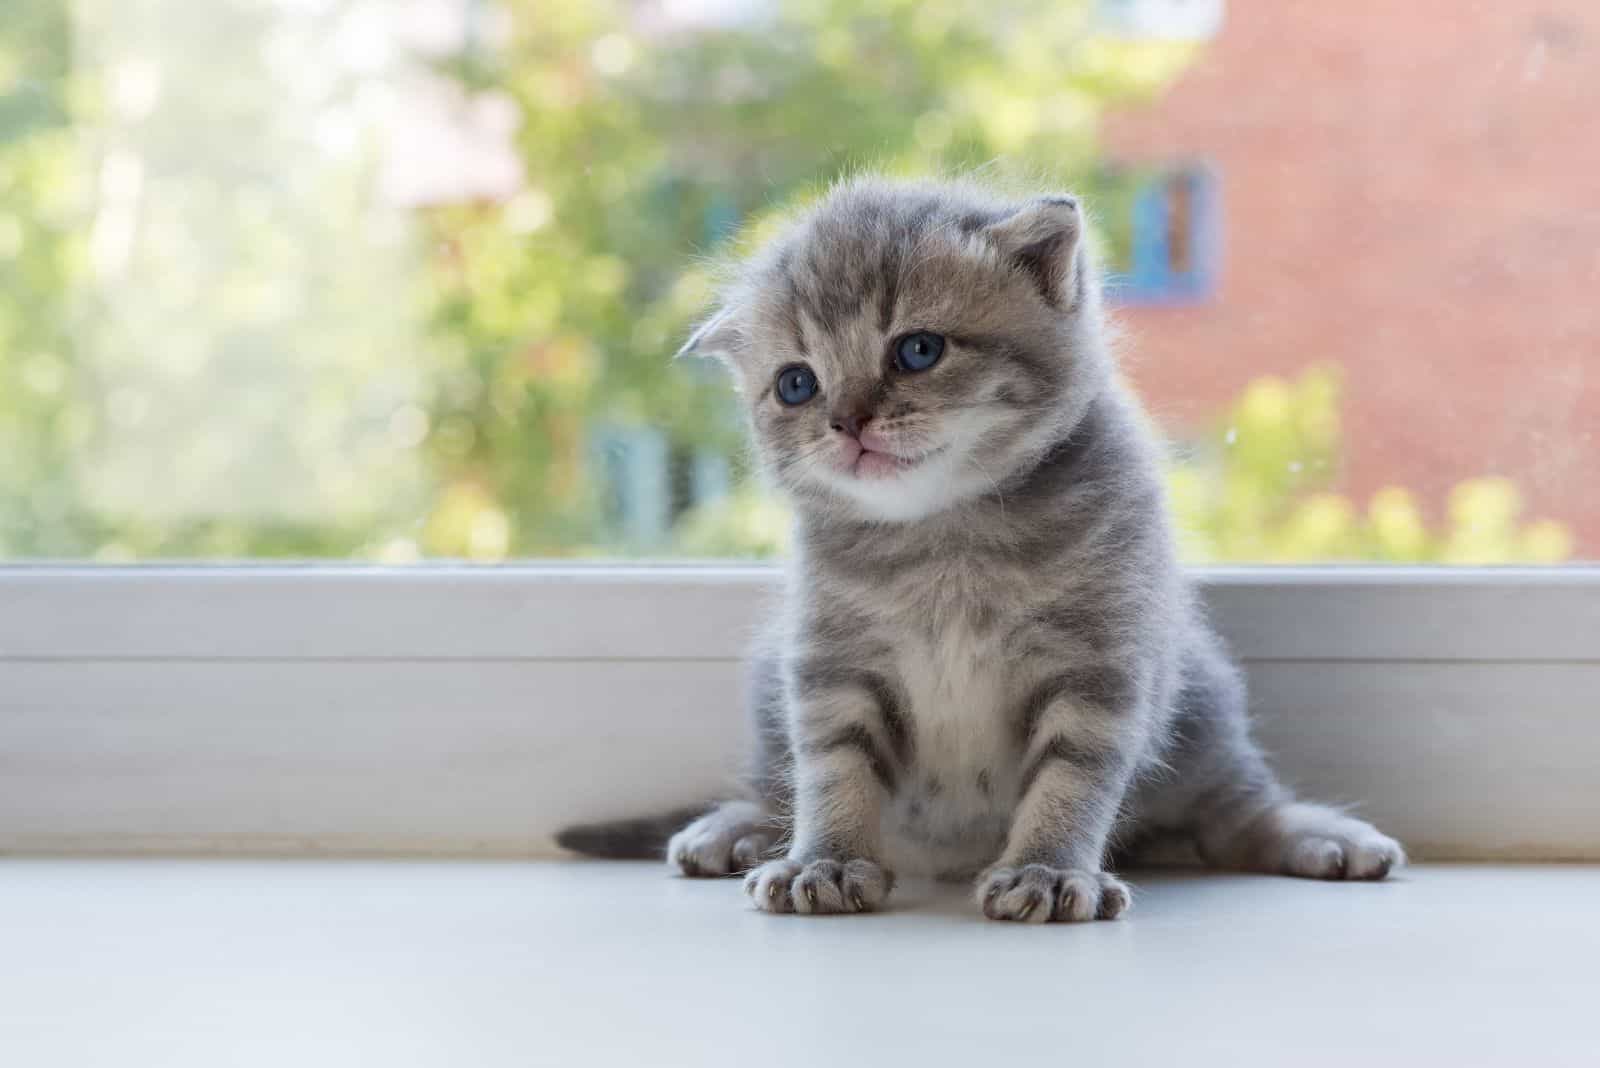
1260	488
217	339
209	340
645	150
40	251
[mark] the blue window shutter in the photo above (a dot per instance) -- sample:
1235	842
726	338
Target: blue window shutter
1151	254
1154	274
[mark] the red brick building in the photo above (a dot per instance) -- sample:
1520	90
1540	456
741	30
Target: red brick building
1411	191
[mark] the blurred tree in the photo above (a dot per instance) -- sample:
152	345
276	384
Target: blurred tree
208	328
1260	488
644	141
40	246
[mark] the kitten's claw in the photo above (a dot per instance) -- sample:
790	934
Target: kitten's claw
819	887
1038	893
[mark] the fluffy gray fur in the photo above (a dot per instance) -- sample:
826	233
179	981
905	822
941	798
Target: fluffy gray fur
989	663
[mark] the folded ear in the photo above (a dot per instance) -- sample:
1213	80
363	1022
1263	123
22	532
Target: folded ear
718	336
1043	237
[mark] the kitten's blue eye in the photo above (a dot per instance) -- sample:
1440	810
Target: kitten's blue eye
919	351
796	384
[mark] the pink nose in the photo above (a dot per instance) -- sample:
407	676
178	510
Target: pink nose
851	422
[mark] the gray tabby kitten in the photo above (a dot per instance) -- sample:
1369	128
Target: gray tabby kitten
989	662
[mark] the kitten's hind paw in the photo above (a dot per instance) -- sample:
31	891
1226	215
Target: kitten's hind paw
1370	858
1318	842
730	839
820	887
1038	893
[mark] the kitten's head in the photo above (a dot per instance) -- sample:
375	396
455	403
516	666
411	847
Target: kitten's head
904	347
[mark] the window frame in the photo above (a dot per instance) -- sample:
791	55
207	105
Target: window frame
471	709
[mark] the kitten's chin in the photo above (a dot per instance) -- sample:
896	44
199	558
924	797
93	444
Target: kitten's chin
884	488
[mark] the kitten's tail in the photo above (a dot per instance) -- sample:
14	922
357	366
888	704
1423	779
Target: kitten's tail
636	839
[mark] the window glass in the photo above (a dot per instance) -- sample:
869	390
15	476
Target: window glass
400	279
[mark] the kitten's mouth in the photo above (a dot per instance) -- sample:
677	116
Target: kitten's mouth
877	464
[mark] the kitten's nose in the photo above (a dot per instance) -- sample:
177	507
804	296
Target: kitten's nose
850	421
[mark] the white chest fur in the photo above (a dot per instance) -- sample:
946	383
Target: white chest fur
956	684
951	812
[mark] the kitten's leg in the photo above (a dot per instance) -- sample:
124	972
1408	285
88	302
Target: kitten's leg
1238	814
851	741
1080	742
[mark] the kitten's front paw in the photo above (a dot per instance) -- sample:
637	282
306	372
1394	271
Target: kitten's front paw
1041	894
820	887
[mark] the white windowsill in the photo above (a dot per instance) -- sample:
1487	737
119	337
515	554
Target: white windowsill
198	963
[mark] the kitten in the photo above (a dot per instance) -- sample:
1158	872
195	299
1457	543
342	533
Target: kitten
989	663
